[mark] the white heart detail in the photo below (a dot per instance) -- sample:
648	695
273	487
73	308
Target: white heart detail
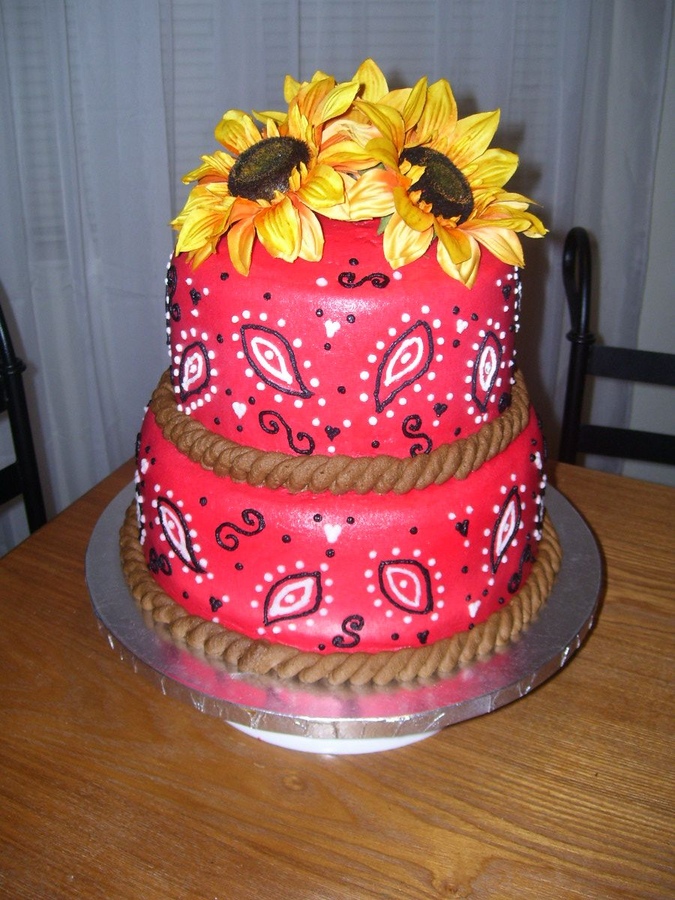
473	608
332	328
239	410
461	326
332	532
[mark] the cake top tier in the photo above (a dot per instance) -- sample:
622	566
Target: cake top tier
357	151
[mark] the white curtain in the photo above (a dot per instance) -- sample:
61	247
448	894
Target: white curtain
105	105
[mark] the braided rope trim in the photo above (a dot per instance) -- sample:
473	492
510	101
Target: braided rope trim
262	658
338	474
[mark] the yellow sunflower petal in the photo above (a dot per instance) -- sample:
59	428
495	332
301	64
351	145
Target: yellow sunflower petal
387	120
264	115
237	131
456	242
493	169
439	114
371	195
472	135
373	83
311	95
346	155
384	151
397	99
200	229
291	88
278	228
416	218
215	166
414	105
337	101
240	244
502	243
403	245
322	188
311	235
465	271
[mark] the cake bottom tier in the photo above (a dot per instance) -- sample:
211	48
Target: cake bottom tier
316	583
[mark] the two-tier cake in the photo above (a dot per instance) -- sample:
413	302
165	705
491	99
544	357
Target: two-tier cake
340	476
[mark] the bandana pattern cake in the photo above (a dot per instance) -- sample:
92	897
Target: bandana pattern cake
341	477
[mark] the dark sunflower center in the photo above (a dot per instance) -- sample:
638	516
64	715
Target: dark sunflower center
442	185
266	167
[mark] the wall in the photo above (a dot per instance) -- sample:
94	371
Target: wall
654	407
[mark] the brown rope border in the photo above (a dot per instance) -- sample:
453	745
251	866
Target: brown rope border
261	657
337	474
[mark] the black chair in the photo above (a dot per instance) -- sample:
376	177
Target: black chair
20	478
588	358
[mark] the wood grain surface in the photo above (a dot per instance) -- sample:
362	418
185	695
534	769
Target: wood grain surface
110	789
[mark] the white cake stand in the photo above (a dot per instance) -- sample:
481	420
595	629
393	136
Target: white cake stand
349	719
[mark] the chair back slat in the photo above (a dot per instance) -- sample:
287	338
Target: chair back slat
20	478
587	357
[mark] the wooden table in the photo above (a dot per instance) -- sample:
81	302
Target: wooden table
109	789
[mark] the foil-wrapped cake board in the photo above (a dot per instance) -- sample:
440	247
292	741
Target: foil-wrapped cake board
349	719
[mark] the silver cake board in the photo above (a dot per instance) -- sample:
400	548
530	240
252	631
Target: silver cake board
349	719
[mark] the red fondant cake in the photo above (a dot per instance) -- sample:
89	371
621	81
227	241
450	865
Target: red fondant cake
341	476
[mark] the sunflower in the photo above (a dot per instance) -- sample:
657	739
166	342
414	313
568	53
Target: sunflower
271	181
444	182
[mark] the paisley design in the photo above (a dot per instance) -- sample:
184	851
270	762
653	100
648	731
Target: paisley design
292	597
177	533
486	369
505	528
194	371
406	360
272	358
406	584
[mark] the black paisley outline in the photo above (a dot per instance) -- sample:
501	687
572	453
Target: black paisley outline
495	560
295	576
302	390
191	562
188	353
494	341
426	582
380	403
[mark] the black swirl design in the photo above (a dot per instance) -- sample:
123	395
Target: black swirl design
411	429
250	517
350	626
158	562
377	279
515	581
267	419
171	282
